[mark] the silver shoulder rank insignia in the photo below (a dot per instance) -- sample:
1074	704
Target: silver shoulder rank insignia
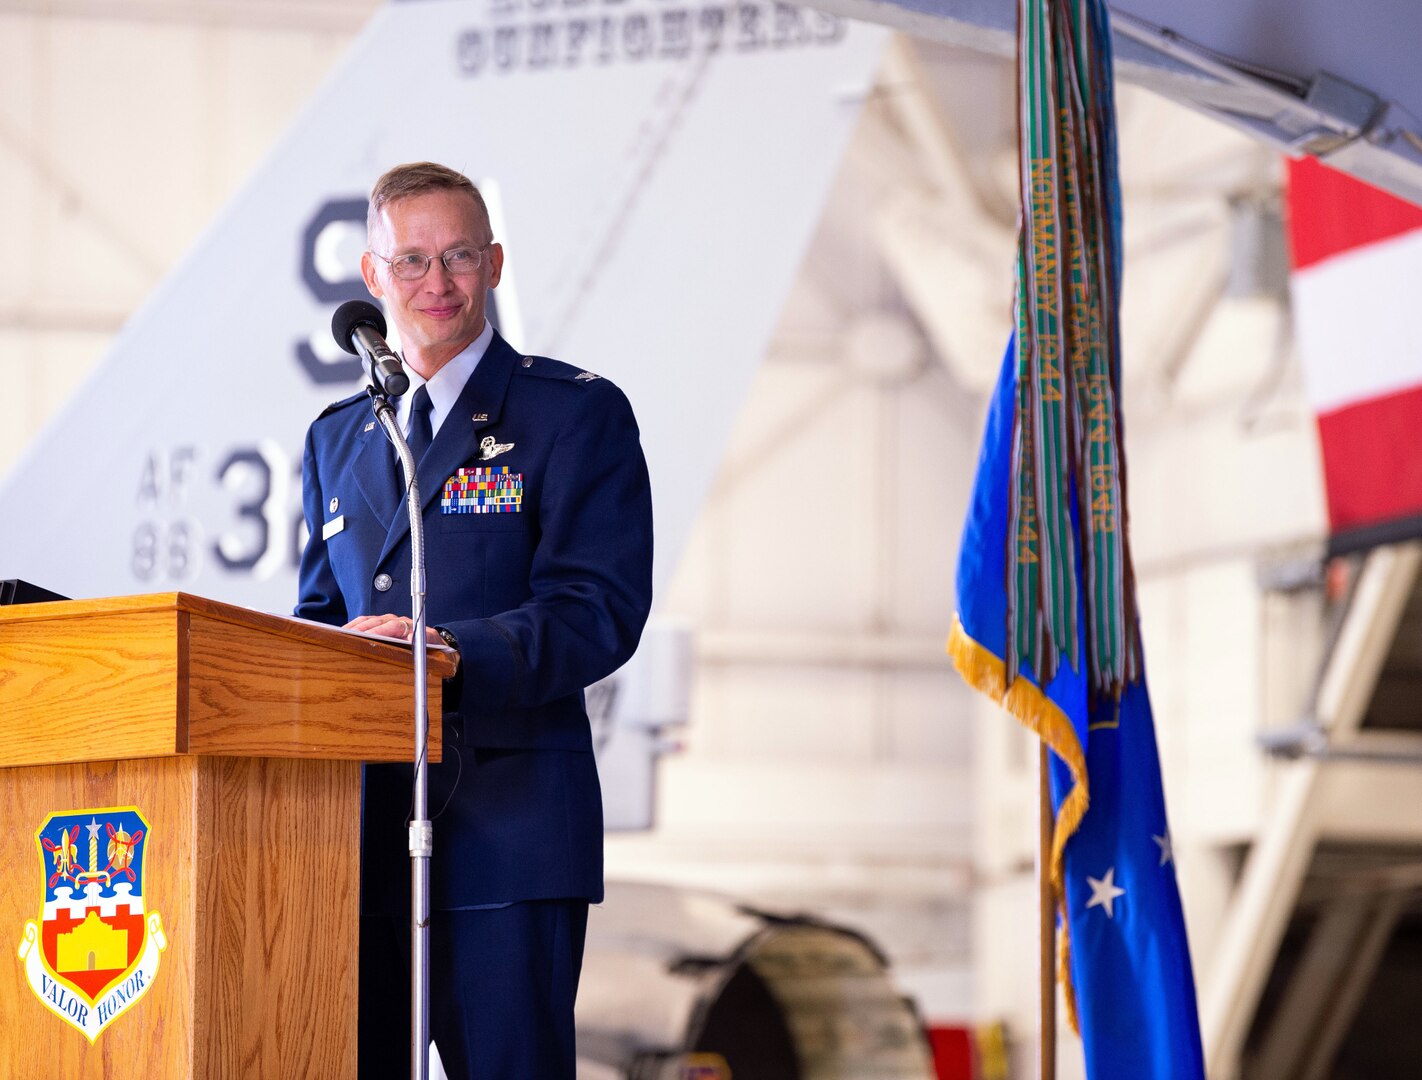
585	376
489	449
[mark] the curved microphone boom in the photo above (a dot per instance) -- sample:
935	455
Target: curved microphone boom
359	328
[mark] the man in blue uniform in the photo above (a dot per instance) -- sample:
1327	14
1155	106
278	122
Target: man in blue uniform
538	535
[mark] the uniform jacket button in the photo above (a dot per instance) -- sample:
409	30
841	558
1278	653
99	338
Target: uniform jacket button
383	582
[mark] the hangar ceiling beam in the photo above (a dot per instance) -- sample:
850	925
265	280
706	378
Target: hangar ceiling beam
1355	128
119	236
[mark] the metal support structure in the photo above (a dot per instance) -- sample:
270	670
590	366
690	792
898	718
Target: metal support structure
1333	975
1367	955
1269	886
1309	740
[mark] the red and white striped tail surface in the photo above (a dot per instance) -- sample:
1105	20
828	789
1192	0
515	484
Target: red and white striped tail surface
1357	289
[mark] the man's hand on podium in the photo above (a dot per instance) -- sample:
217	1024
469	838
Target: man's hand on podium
399	627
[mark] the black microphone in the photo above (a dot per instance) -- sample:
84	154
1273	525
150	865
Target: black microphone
358	327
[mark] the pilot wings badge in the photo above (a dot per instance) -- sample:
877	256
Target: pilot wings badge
489	449
94	951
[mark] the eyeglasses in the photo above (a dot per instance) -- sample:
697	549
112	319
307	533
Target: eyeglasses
412	265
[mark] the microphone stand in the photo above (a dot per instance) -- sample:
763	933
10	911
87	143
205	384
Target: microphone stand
421	830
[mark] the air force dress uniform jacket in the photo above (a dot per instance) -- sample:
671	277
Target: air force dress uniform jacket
544	578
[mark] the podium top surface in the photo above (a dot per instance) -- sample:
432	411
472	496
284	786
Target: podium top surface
440	660
173	673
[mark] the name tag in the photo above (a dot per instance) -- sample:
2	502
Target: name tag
332	527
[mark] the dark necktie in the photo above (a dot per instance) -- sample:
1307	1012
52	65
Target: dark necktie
421	433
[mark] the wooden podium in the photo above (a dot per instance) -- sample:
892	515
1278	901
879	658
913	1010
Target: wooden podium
238	736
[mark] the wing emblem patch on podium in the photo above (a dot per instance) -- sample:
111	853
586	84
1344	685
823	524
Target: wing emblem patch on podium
94	951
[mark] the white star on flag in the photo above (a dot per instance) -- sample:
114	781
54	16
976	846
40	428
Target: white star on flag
1104	892
1167	853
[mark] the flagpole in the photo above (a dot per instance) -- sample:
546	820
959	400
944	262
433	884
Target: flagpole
1047	919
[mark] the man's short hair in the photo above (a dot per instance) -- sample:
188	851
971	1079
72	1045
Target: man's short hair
417	178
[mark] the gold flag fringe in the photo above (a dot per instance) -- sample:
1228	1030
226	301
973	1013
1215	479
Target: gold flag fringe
1039	714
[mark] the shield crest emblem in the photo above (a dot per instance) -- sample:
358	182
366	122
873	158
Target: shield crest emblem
94	951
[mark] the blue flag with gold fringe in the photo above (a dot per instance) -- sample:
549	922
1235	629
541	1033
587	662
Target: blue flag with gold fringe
1128	959
1047	622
